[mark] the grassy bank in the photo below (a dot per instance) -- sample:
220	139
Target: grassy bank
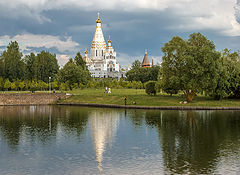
142	99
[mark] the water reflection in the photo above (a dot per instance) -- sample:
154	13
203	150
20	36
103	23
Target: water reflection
192	141
39	123
56	140
103	127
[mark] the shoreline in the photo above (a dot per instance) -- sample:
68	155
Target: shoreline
149	107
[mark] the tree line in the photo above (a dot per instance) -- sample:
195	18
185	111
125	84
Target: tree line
33	72
194	66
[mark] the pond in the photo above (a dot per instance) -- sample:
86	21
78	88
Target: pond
79	140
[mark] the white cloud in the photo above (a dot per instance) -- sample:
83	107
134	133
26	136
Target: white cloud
26	41
62	60
205	14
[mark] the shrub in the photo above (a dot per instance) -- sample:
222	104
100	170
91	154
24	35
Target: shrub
150	87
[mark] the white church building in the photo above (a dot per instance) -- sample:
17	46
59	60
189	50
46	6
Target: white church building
102	62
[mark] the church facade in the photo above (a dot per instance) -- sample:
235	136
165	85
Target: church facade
102	61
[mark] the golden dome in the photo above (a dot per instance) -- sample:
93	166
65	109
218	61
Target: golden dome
86	52
109	41
98	20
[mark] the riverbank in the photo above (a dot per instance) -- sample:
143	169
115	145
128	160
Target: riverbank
138	99
150	107
10	99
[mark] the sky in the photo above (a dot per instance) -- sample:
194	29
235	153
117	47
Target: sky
67	27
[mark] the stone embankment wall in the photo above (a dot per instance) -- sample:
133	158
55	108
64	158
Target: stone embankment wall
31	98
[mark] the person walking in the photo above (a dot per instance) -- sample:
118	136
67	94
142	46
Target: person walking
125	100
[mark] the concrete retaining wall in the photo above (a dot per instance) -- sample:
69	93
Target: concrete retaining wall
31	98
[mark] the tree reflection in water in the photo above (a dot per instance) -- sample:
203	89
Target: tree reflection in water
191	140
195	142
39	123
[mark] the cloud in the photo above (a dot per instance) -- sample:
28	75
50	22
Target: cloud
62	60
220	15
27	41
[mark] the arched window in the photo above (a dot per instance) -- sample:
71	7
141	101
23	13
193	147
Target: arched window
102	52
96	53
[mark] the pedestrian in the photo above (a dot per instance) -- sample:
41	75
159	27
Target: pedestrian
109	90
106	90
125	99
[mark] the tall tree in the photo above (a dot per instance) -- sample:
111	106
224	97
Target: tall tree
45	65
136	64
72	73
30	68
190	66
79	61
12	64
229	75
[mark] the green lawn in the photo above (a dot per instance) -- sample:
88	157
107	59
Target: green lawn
141	98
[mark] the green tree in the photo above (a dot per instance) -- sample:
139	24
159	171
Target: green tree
33	85
7	84
21	85
11	62
13	86
1	83
45	65
136	64
228	76
138	73
150	87
79	61
190	66
30	66
73	74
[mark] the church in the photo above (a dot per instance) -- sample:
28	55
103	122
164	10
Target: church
102	61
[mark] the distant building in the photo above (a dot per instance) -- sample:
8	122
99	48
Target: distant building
102	62
145	62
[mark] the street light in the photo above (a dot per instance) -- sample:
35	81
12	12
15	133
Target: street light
49	84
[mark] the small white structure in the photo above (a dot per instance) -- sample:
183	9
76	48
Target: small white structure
102	62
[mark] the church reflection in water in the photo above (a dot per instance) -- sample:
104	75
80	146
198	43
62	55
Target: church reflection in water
194	142
103	127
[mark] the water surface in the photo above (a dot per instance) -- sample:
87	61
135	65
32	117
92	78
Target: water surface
79	140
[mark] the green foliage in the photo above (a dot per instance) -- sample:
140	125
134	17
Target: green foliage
33	85
7	84
64	86
150	87
21	85
30	61
1	83
136	64
228	76
79	61
190	66
143	74
72	73
13	86
12	65
44	66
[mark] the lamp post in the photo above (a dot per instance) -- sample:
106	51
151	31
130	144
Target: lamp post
49	84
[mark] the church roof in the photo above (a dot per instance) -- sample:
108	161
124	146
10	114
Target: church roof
98	38
145	62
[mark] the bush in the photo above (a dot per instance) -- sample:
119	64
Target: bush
150	87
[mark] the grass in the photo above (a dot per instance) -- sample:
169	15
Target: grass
141	98
24	92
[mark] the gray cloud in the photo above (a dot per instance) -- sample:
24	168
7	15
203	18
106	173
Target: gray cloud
133	25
